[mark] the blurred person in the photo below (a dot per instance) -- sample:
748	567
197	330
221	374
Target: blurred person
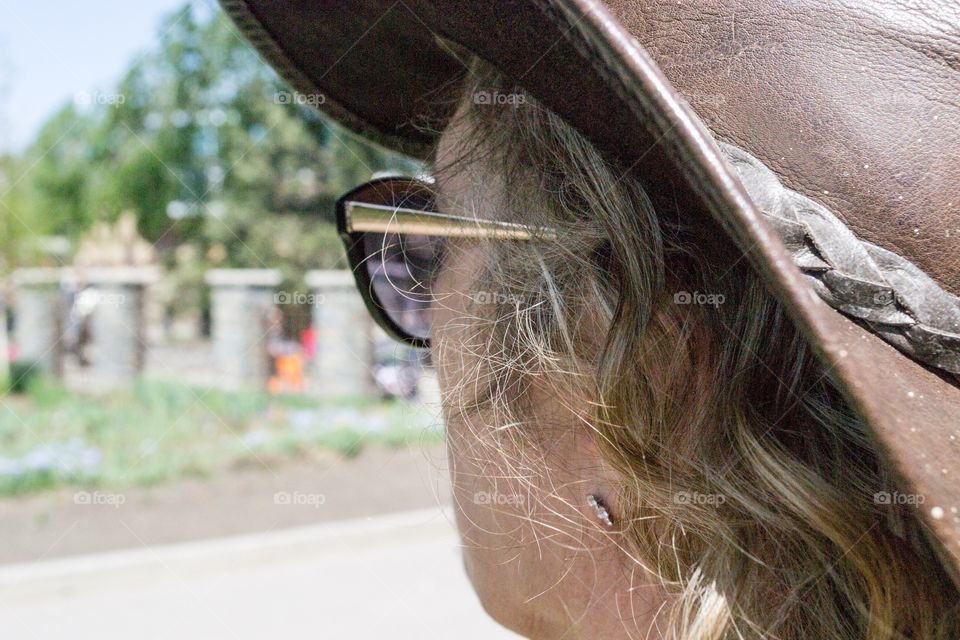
308	343
689	390
285	356
80	300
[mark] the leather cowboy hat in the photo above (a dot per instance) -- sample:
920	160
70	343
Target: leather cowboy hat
822	138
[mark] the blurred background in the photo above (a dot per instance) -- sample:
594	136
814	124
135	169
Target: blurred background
201	432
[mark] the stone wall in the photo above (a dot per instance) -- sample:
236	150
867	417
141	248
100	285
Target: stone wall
38	327
343	365
241	302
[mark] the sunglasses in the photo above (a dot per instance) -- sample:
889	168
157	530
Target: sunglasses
395	241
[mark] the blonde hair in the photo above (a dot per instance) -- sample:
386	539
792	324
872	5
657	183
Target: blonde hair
748	484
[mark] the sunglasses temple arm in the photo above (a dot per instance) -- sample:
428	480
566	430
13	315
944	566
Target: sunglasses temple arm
363	217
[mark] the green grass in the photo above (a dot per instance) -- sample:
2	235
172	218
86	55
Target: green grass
158	430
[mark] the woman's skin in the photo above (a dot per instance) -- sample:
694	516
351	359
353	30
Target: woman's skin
539	558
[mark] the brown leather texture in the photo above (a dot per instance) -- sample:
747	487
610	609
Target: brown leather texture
855	105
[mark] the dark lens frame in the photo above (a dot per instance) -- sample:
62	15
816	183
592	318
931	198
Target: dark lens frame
353	243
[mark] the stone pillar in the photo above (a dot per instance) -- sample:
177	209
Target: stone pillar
344	361
4	342
38	327
241	300
116	295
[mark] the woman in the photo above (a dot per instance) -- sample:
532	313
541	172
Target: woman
653	433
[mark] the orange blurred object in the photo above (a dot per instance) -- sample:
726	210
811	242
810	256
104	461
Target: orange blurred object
289	374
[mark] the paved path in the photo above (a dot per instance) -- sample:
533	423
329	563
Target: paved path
396	576
240	501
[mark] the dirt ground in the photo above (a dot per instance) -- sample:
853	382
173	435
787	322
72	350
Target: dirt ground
255	498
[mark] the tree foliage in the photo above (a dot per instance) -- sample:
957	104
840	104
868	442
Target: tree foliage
195	142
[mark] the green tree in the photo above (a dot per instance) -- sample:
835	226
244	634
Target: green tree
194	141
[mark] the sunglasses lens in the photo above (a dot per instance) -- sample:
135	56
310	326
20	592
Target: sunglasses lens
401	267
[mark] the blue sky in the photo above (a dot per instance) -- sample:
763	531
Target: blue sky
51	50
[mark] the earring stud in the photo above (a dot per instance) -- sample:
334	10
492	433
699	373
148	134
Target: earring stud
602	513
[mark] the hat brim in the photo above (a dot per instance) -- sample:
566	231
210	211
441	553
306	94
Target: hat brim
377	67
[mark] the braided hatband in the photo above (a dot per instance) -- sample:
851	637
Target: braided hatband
888	293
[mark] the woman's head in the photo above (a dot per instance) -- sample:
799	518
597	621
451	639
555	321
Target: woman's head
623	359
